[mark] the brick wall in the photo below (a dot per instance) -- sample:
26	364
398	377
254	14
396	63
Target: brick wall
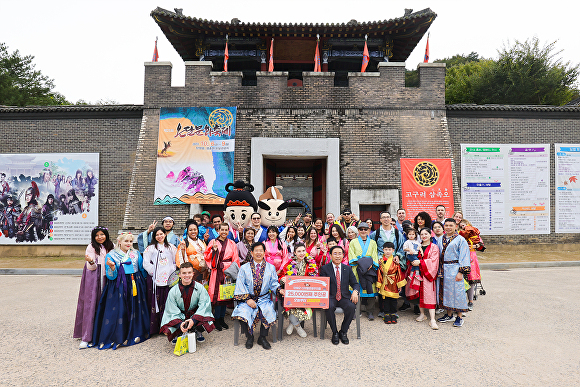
110	131
377	119
509	126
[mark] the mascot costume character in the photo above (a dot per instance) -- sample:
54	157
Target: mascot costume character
239	205
273	208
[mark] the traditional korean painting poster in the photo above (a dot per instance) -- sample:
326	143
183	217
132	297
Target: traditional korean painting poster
49	198
505	189
425	184
195	154
567	188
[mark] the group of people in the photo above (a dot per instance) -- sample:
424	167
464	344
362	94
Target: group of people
129	294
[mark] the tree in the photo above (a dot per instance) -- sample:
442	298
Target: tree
526	73
22	85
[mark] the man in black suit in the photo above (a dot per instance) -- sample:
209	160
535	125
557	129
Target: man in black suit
340	295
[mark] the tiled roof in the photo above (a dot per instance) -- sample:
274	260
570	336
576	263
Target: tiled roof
522	108
69	108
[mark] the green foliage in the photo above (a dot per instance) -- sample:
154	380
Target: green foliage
411	78
22	85
526	73
460	59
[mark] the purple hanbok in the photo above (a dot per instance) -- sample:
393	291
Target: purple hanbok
89	294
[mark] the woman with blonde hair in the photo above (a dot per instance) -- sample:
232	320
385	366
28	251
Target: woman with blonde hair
122	317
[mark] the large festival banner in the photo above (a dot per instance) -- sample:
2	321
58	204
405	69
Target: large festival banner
567	188
49	198
425	184
195	154
505	189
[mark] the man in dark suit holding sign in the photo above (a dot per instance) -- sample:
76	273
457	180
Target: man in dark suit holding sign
339	296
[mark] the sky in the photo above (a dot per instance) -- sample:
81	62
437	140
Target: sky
95	50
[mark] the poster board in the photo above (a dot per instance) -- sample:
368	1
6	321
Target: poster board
48	198
505	188
306	292
567	171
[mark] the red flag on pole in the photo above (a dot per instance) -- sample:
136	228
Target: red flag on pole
426	59
226	56
155	52
365	61
317	67
271	62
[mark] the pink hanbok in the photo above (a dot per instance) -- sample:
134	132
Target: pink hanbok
428	267
277	257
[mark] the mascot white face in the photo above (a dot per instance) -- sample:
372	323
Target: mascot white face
272	207
239	204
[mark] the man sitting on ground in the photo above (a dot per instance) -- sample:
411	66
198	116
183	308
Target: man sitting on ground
177	318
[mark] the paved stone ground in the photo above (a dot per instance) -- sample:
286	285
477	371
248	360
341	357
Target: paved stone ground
524	332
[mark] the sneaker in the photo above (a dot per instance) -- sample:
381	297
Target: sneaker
438	311
388	319
421	317
433	325
83	345
445	318
381	315
301	332
393	319
290	329
458	322
470	306
405	306
371	316
199	337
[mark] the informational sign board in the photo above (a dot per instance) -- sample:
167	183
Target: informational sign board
567	188
505	189
195	155
306	292
48	198
425	184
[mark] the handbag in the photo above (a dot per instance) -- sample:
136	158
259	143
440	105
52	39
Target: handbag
181	346
226	291
232	271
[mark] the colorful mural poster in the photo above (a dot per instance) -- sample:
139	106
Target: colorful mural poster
195	155
49	198
567	188
505	189
425	184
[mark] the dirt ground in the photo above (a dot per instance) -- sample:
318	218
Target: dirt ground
493	254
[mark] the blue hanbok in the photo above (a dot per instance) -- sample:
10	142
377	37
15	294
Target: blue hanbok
454	259
267	281
122	317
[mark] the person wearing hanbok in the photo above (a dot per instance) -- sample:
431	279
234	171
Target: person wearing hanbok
290	236
220	253
361	250
428	265
145	238
301	265
191	249
177	318
159	262
336	232
92	283
276	251
256	282
471	235
453	265
122	317
438	230
313	245
244	251
390	279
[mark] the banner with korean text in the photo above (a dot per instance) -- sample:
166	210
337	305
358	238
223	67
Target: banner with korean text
195	154
306	292
425	184
505	188
567	188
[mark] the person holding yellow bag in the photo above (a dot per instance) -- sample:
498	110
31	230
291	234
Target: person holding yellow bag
188	307
219	255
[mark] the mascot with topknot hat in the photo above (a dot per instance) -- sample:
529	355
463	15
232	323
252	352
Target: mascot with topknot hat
239	206
273	207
